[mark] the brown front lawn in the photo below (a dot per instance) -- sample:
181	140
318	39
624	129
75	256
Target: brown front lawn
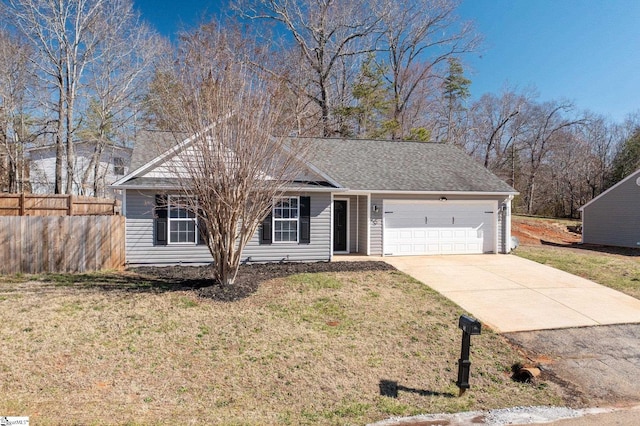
309	348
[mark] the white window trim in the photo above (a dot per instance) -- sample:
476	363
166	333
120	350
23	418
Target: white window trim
274	220
175	219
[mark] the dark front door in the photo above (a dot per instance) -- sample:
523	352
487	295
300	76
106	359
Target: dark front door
340	225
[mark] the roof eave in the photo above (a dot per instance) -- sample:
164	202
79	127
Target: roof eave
444	192
177	187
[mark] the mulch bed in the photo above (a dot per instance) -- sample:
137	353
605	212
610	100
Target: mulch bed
200	278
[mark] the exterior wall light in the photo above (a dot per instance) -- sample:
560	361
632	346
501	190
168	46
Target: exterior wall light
375	208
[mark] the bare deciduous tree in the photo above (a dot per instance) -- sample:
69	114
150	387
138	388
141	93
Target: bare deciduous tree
15	81
330	36
232	167
68	38
495	128
418	37
64	36
116	88
601	137
545	125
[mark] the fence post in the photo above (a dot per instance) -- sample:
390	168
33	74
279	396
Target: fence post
21	205
69	205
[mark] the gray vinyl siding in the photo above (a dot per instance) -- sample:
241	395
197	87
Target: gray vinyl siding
614	219
140	248
362	224
376	218
375	245
319	249
353	224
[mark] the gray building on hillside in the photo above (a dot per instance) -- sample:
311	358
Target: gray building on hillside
612	218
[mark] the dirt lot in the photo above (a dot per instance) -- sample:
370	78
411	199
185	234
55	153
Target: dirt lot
540	231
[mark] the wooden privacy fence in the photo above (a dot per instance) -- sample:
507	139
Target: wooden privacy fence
61	244
55	205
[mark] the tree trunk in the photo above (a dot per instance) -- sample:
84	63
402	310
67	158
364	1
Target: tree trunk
71	157
326	130
59	158
96	172
530	194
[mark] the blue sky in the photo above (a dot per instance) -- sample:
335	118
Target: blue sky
586	51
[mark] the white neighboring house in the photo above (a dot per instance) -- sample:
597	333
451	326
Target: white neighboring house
113	164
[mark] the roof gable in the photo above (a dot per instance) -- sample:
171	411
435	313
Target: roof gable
157	160
634	175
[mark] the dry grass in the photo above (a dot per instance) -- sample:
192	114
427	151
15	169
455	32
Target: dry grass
618	271
307	349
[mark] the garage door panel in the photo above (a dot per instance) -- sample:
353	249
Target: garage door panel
434	228
433	233
446	233
446	248
460	233
405	234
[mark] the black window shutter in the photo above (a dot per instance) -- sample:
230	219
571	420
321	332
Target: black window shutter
202	230
265	232
305	220
161	221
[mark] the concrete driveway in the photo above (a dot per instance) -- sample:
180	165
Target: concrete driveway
512	294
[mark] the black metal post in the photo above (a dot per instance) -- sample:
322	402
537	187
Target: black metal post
464	365
469	326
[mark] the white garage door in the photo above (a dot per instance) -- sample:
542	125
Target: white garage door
440	227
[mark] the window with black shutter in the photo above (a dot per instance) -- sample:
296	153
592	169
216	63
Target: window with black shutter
202	230
161	235
305	220
289	221
265	231
175	222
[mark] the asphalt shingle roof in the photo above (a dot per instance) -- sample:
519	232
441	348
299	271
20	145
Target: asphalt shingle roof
401	166
151	143
365	165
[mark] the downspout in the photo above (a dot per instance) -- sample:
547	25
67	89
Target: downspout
369	224
357	224
507	220
582	212
124	214
331	229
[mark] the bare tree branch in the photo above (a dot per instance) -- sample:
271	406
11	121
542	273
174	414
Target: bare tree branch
232	167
